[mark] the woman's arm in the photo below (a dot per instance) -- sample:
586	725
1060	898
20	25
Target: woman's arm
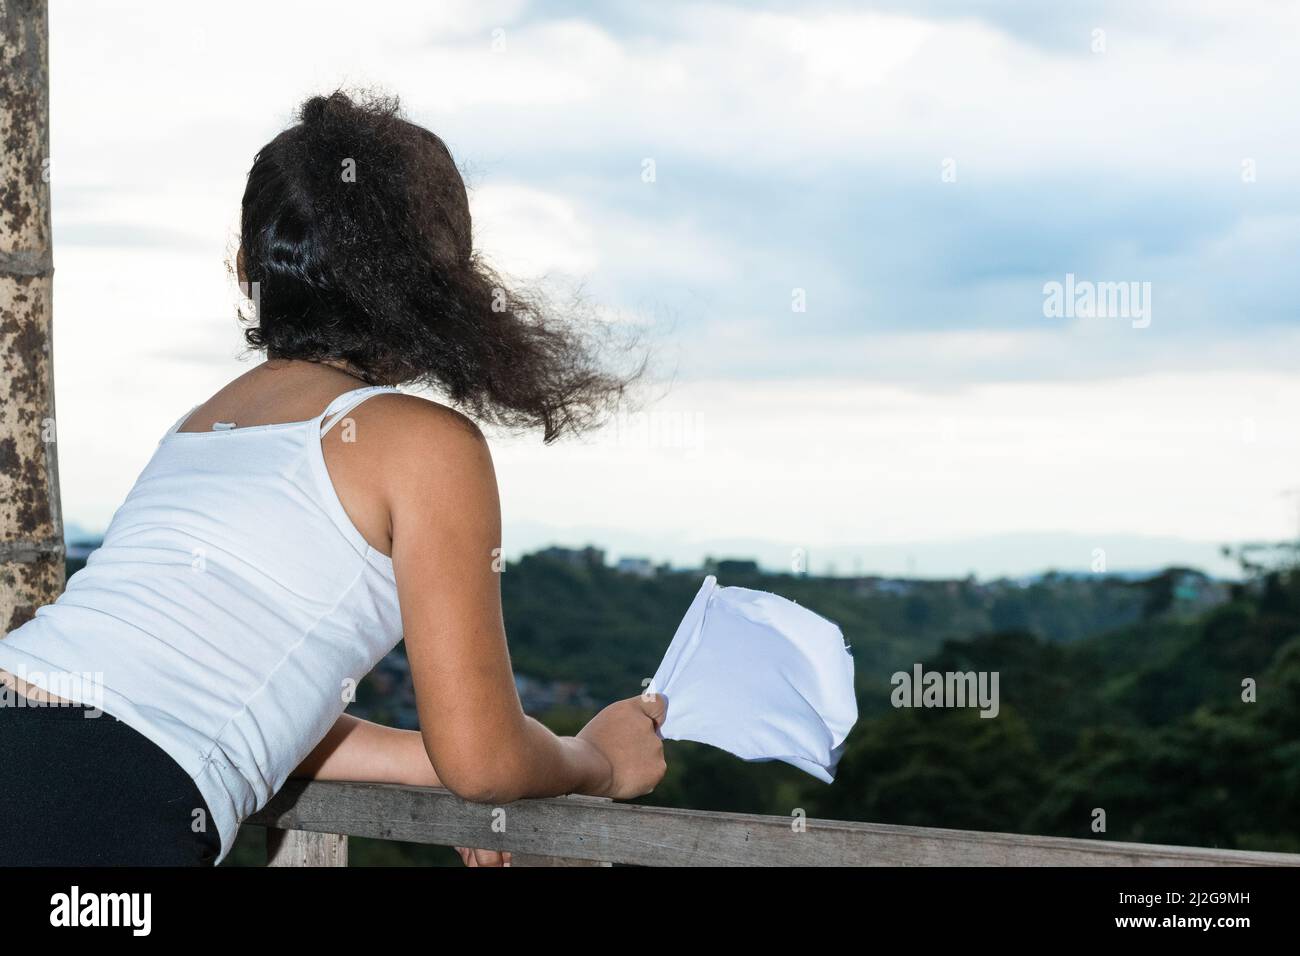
440	488
357	749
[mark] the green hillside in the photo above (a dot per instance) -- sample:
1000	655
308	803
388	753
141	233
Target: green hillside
609	630
1115	695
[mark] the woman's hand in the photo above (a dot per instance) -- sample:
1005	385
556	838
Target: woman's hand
625	734
483	857
625	743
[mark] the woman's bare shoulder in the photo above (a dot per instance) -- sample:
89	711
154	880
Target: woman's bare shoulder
401	459
401	410
421	442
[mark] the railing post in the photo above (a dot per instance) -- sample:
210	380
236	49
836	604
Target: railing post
303	848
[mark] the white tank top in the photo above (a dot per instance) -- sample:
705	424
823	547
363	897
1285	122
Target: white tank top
230	612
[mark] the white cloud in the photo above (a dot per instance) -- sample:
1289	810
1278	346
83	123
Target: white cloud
158	108
531	232
1195	457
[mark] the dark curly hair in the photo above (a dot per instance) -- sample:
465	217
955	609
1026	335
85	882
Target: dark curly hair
356	232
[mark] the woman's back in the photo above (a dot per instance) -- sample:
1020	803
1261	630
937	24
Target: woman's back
233	605
257	571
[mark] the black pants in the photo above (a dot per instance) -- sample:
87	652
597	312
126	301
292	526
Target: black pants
77	790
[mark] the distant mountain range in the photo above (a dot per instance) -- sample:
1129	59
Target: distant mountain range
1018	555
995	556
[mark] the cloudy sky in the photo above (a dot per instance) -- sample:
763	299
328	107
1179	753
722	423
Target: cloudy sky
834	223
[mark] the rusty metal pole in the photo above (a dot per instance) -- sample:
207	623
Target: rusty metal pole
31	525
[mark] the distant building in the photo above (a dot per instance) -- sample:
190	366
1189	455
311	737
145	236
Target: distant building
587	557
389	693
731	567
1188	586
641	567
1195	592
896	586
538	696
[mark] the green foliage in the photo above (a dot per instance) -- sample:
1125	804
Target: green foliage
609	630
1147	723
1110	698
948	768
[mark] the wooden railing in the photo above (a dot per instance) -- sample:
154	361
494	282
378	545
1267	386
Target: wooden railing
308	824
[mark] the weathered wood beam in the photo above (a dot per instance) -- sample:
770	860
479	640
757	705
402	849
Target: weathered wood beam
582	828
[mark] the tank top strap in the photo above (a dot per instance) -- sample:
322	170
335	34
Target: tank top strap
344	403
178	423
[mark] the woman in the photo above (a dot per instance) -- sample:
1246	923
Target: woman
290	530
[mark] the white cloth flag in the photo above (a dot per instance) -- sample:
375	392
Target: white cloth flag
760	677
